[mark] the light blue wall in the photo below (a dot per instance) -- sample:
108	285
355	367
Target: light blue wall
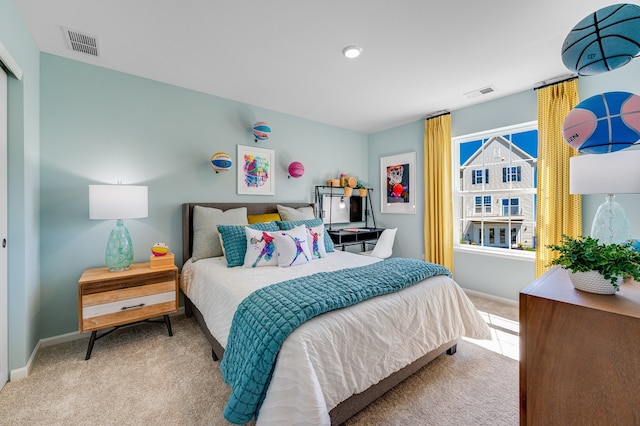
72	124
23	188
101	126
399	140
490	274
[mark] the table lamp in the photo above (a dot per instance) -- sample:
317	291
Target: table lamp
118	202
609	174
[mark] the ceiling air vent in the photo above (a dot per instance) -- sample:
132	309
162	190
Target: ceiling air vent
80	42
479	92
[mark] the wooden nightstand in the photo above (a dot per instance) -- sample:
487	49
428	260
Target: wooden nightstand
578	353
114	299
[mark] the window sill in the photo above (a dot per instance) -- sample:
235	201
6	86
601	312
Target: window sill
496	252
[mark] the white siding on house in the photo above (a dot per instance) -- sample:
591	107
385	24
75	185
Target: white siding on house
491	174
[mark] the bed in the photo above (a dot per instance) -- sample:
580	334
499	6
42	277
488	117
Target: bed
337	363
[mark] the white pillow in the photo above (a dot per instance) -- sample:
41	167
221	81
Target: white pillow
315	239
290	213
292	246
261	249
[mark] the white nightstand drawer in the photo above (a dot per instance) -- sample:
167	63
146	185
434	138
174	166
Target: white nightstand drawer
127	304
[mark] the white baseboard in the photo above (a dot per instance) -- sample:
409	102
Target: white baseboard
491	297
23	372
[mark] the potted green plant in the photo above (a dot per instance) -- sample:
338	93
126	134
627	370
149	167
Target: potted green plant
597	268
362	188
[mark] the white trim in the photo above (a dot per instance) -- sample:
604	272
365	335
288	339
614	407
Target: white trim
514	128
496	252
491	297
9	62
23	372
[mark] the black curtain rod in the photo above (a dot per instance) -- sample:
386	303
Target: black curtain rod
437	114
561	80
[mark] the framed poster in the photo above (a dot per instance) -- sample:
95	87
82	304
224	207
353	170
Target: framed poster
256	171
398	188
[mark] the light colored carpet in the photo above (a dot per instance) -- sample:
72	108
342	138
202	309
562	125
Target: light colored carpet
140	376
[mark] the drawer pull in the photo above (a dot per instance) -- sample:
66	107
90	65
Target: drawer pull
124	308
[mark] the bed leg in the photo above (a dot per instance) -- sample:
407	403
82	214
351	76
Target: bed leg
452	350
188	308
214	356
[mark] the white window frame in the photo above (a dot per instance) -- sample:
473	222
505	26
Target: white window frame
456	141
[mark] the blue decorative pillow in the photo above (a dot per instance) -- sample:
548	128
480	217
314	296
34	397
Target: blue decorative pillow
234	239
309	223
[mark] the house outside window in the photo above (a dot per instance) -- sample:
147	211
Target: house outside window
512	174
497	213
483	203
511	206
476	177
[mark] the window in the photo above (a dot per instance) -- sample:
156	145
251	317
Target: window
483	201
512	152
511	174
510	207
476	177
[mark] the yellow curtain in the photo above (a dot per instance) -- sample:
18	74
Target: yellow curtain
438	207
558	212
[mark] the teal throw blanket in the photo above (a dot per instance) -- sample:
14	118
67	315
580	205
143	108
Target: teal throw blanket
267	316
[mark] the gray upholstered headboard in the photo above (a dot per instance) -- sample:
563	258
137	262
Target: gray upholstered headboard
252	208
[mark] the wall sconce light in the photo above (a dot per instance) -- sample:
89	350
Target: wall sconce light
118	202
296	169
221	162
261	131
342	204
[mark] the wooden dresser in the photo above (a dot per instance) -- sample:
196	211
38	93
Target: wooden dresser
579	354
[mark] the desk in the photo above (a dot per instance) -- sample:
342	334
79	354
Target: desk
343	237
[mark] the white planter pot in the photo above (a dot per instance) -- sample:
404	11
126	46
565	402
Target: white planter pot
592	282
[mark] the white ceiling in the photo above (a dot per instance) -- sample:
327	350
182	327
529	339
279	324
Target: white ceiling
419	56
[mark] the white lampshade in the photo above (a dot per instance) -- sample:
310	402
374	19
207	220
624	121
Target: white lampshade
614	173
118	202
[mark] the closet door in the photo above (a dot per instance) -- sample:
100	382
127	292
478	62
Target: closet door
4	315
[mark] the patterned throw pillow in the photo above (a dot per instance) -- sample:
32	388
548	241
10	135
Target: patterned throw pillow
309	223
292	247
261	249
234	239
315	239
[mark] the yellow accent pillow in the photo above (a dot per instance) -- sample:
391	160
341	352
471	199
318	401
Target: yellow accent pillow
267	217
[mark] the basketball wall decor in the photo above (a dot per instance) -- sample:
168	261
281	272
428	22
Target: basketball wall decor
604	123
261	131
296	169
221	162
603	41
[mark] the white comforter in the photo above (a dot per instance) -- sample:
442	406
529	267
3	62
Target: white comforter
338	354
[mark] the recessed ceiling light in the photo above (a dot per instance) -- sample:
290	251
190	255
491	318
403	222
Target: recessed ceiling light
352	52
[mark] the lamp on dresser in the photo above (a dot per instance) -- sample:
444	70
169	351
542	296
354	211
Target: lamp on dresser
609	174
118	202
